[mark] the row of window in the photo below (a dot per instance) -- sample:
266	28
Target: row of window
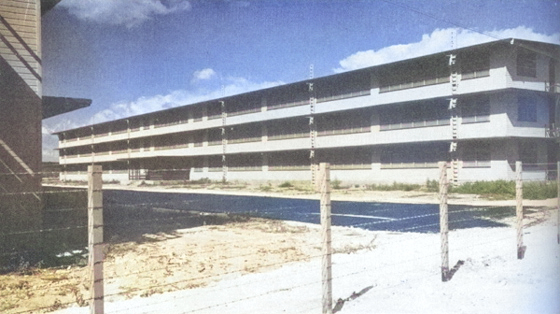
423	114
397	77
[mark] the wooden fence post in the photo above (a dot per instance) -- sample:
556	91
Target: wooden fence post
443	221
519	208
558	199
326	247
95	238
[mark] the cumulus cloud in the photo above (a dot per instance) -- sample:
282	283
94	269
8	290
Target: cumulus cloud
233	86
129	13
439	40
204	74
146	104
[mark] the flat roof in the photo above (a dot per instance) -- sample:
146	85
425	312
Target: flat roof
527	44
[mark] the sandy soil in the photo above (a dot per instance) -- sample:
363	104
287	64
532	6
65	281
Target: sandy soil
185	259
197	257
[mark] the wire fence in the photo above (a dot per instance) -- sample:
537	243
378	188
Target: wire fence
218	246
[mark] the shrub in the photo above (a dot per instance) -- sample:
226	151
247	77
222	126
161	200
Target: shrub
265	188
395	187
506	189
432	185
286	184
540	190
498	188
336	184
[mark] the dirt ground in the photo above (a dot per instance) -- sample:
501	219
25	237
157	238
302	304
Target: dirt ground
185	259
198	256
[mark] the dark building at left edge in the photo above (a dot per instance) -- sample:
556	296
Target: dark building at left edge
22	107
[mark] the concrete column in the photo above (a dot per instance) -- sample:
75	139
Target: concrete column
264	132
374	122
265	162
264	105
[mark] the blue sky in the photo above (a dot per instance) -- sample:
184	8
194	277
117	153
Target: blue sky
137	56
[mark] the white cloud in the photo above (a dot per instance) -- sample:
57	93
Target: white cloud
233	86
122	12
439	40
204	74
146	104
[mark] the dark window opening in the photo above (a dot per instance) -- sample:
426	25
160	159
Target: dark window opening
526	63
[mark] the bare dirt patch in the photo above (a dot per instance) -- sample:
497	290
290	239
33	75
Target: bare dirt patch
183	259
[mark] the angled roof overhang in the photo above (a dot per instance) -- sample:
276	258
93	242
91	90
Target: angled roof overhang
53	106
46	5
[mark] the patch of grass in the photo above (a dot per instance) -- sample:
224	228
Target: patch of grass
265	188
540	190
488	188
501	189
336	184
432	185
286	184
394	187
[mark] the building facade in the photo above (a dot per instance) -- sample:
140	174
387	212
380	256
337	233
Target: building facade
481	108
22	107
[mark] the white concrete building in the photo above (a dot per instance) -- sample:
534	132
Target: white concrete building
481	107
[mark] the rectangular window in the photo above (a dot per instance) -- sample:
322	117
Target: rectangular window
475	65
476	155
409	75
528	154
414	156
475	110
526	109
416	115
526	63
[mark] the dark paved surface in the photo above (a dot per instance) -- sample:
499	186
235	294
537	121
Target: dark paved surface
124	206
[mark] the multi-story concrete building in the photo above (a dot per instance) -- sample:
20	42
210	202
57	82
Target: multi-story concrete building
22	107
481	108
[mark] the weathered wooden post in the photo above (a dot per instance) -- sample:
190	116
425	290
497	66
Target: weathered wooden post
519	208
558	199
326	247
95	238
443	221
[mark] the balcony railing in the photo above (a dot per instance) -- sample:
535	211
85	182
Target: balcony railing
476	164
476	119
276	137
414	124
245	168
406	165
363	129
364	166
245	140
418	83
288	168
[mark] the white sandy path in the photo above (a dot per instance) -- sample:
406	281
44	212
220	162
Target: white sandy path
404	272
